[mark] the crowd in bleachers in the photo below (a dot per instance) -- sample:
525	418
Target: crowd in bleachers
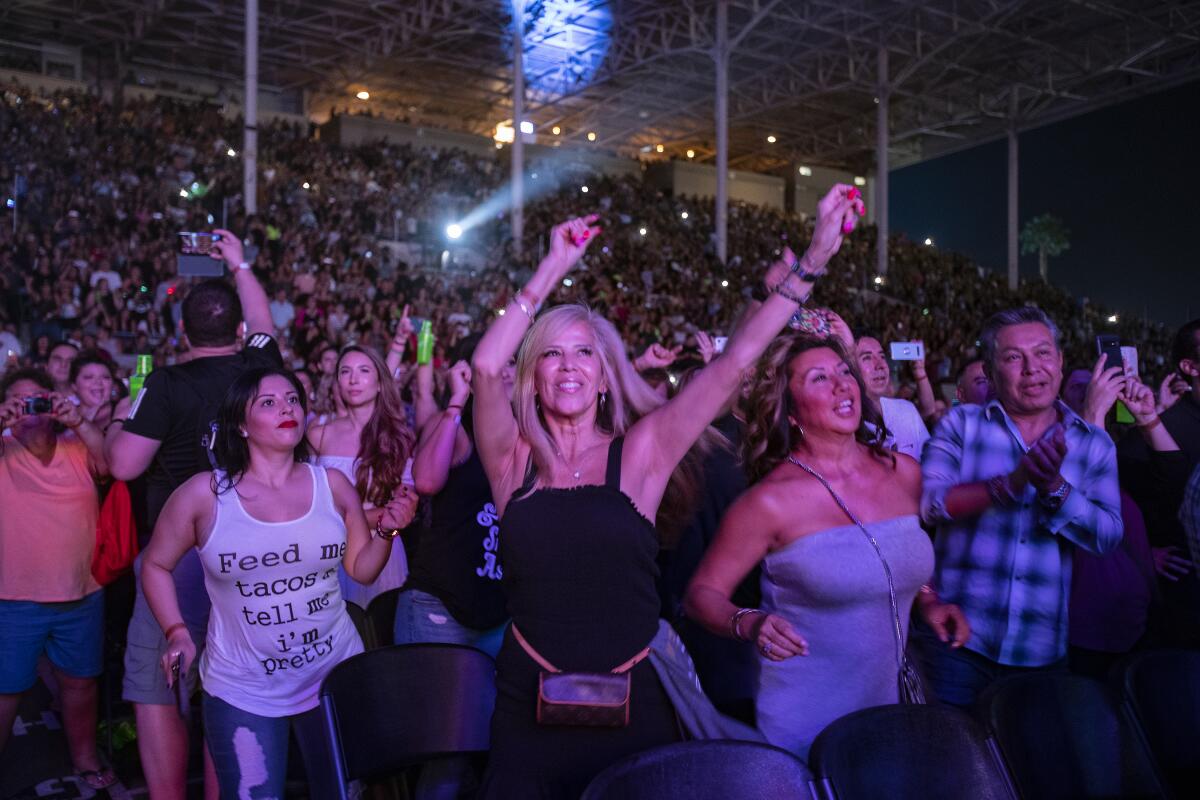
368	380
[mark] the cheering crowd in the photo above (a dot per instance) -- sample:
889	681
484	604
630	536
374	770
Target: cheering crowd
675	462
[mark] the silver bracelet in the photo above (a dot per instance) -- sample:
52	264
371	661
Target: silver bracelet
736	619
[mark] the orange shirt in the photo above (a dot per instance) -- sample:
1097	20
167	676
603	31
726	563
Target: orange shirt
47	523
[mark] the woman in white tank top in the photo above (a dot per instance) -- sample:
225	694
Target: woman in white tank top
372	445
271	532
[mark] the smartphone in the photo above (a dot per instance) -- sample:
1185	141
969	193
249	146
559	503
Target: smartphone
1110	347
908	351
1129	356
719	343
193	257
183	700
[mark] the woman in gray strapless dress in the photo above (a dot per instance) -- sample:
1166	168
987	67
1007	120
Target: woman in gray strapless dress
826	630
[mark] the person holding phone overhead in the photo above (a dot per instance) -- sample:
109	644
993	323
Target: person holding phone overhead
1013	487
270	531
580	463
166	435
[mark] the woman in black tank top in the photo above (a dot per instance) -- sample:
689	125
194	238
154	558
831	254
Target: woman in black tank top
580	462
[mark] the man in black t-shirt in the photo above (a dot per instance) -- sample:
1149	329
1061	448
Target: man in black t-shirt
164	433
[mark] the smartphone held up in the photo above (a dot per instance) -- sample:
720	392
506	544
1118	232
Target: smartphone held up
194	257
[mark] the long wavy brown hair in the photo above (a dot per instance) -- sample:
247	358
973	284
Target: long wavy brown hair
387	440
629	399
770	436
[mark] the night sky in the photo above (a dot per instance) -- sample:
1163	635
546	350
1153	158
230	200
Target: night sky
1125	180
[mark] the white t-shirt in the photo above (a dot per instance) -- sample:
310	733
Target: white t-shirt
904	423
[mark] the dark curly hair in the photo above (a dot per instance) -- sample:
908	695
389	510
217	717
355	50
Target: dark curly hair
770	437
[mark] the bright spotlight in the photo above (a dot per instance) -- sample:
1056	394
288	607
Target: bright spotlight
658	148
231	153
859	180
568	282
771	139
583	189
928	242
526	127
454	231
641	231
805	171
684	215
879	280
556	130
1112	318
691	153
183	193
724	284
306	185
591	136
364	95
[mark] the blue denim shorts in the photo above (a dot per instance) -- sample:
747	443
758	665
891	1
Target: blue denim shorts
70	634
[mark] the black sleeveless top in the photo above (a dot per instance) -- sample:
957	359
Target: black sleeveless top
456	558
580	572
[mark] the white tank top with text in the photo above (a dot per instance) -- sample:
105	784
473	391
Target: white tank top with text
278	622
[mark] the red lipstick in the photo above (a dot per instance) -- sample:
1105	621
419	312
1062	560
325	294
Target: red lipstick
289	423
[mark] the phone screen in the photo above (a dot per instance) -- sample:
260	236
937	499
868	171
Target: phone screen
1110	347
194	259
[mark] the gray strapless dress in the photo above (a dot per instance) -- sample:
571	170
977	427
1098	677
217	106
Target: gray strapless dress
832	588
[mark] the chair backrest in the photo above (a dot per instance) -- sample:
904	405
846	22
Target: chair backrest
1162	689
382	612
389	708
1064	736
705	770
908	752
362	624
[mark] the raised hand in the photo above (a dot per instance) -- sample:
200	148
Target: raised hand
1170	390
569	240
1103	390
65	412
706	346
460	383
228	248
11	410
656	356
841	330
1139	399
837	214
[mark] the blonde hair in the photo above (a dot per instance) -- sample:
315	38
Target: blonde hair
628	399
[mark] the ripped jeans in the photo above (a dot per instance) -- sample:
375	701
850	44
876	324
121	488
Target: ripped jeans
251	752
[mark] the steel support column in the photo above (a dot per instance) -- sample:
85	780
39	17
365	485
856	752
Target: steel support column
721	56
882	137
1013	207
250	113
518	145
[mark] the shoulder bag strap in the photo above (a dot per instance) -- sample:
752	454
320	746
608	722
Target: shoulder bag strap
546	665
900	658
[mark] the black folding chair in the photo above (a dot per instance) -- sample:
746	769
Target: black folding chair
395	707
1162	690
382	612
1065	736
362	624
705	770
908	752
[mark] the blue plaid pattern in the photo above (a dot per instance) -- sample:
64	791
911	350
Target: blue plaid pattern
1009	569
1189	515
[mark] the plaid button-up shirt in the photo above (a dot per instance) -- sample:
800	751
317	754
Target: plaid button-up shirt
1009	569
1189	515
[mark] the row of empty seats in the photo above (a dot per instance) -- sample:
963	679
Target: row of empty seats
1039	736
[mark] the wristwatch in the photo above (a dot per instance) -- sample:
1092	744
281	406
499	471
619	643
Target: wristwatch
1053	500
386	533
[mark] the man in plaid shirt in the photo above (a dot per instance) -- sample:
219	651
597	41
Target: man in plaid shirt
1012	487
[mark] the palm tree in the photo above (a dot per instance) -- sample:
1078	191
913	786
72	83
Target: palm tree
1047	236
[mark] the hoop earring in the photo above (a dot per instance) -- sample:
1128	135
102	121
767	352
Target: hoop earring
603	399
797	426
